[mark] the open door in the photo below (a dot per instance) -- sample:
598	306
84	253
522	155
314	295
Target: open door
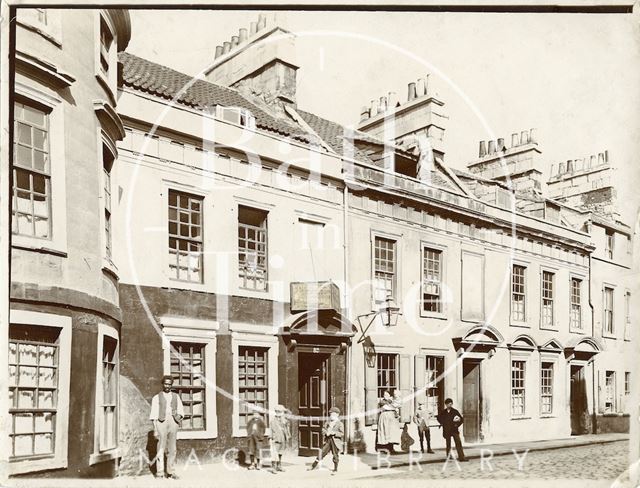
471	398
313	384
578	401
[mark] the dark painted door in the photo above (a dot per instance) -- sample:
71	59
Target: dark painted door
471	400
313	384
578	401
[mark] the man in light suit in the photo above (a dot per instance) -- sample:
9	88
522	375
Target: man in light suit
333	432
166	414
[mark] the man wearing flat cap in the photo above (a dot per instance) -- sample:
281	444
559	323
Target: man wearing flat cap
333	432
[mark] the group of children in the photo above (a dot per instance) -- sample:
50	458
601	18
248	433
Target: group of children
332	431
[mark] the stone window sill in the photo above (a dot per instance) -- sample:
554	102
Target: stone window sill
101	457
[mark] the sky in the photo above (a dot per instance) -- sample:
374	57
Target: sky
575	78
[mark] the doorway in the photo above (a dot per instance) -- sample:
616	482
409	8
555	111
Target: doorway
578	401
471	400
314	401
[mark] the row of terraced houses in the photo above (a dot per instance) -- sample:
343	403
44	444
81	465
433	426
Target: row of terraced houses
214	230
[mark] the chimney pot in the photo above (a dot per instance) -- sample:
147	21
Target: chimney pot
561	168
393	100
569	166
524	137
532	136
606	156
427	88
501	144
242	35
234	41
253	28
226	47
374	107
218	51
492	147
515	140
483	149
592	160
421	88
553	168
262	22
600	159
411	95
364	114
382	107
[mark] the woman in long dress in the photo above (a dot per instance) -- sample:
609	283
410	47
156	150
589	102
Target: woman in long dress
388	427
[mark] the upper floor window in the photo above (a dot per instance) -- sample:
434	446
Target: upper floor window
185	236
576	304
627	314
547	298
609	243
252	248
608	310
236	115
432	280
384	269
106	41
107	165
31	173
518	297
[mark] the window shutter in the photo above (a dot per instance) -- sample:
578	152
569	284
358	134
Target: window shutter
419	371
404	373
602	391
370	395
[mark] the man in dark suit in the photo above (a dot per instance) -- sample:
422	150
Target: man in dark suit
450	419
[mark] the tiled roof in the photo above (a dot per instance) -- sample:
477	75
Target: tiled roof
156	79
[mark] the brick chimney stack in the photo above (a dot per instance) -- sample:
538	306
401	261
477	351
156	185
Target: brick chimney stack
260	62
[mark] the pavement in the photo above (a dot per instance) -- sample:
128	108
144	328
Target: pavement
555	458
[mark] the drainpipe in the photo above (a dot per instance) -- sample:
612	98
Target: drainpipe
594	402
345	273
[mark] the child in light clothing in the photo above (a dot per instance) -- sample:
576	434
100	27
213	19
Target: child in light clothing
280	436
422	418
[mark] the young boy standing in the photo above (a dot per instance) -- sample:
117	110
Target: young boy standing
421	419
333	432
255	434
280	436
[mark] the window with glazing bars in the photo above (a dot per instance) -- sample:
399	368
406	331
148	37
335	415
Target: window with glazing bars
387	373
109	427
627	314
576	304
546	388
547	298
31	173
384	268
252	248
185	236
609	243
187	370
608	310
434	391
106	39
107	164
432	280
610	392
33	391
253	382
517	388
627	383
518	297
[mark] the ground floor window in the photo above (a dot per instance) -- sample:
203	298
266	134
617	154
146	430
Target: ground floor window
188	369
546	388
610	392
627	383
434	384
109	373
387	373
253	382
33	390
518	388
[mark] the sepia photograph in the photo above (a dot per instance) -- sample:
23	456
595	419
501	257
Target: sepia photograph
319	243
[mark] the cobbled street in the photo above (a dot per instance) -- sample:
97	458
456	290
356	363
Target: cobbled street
593	462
